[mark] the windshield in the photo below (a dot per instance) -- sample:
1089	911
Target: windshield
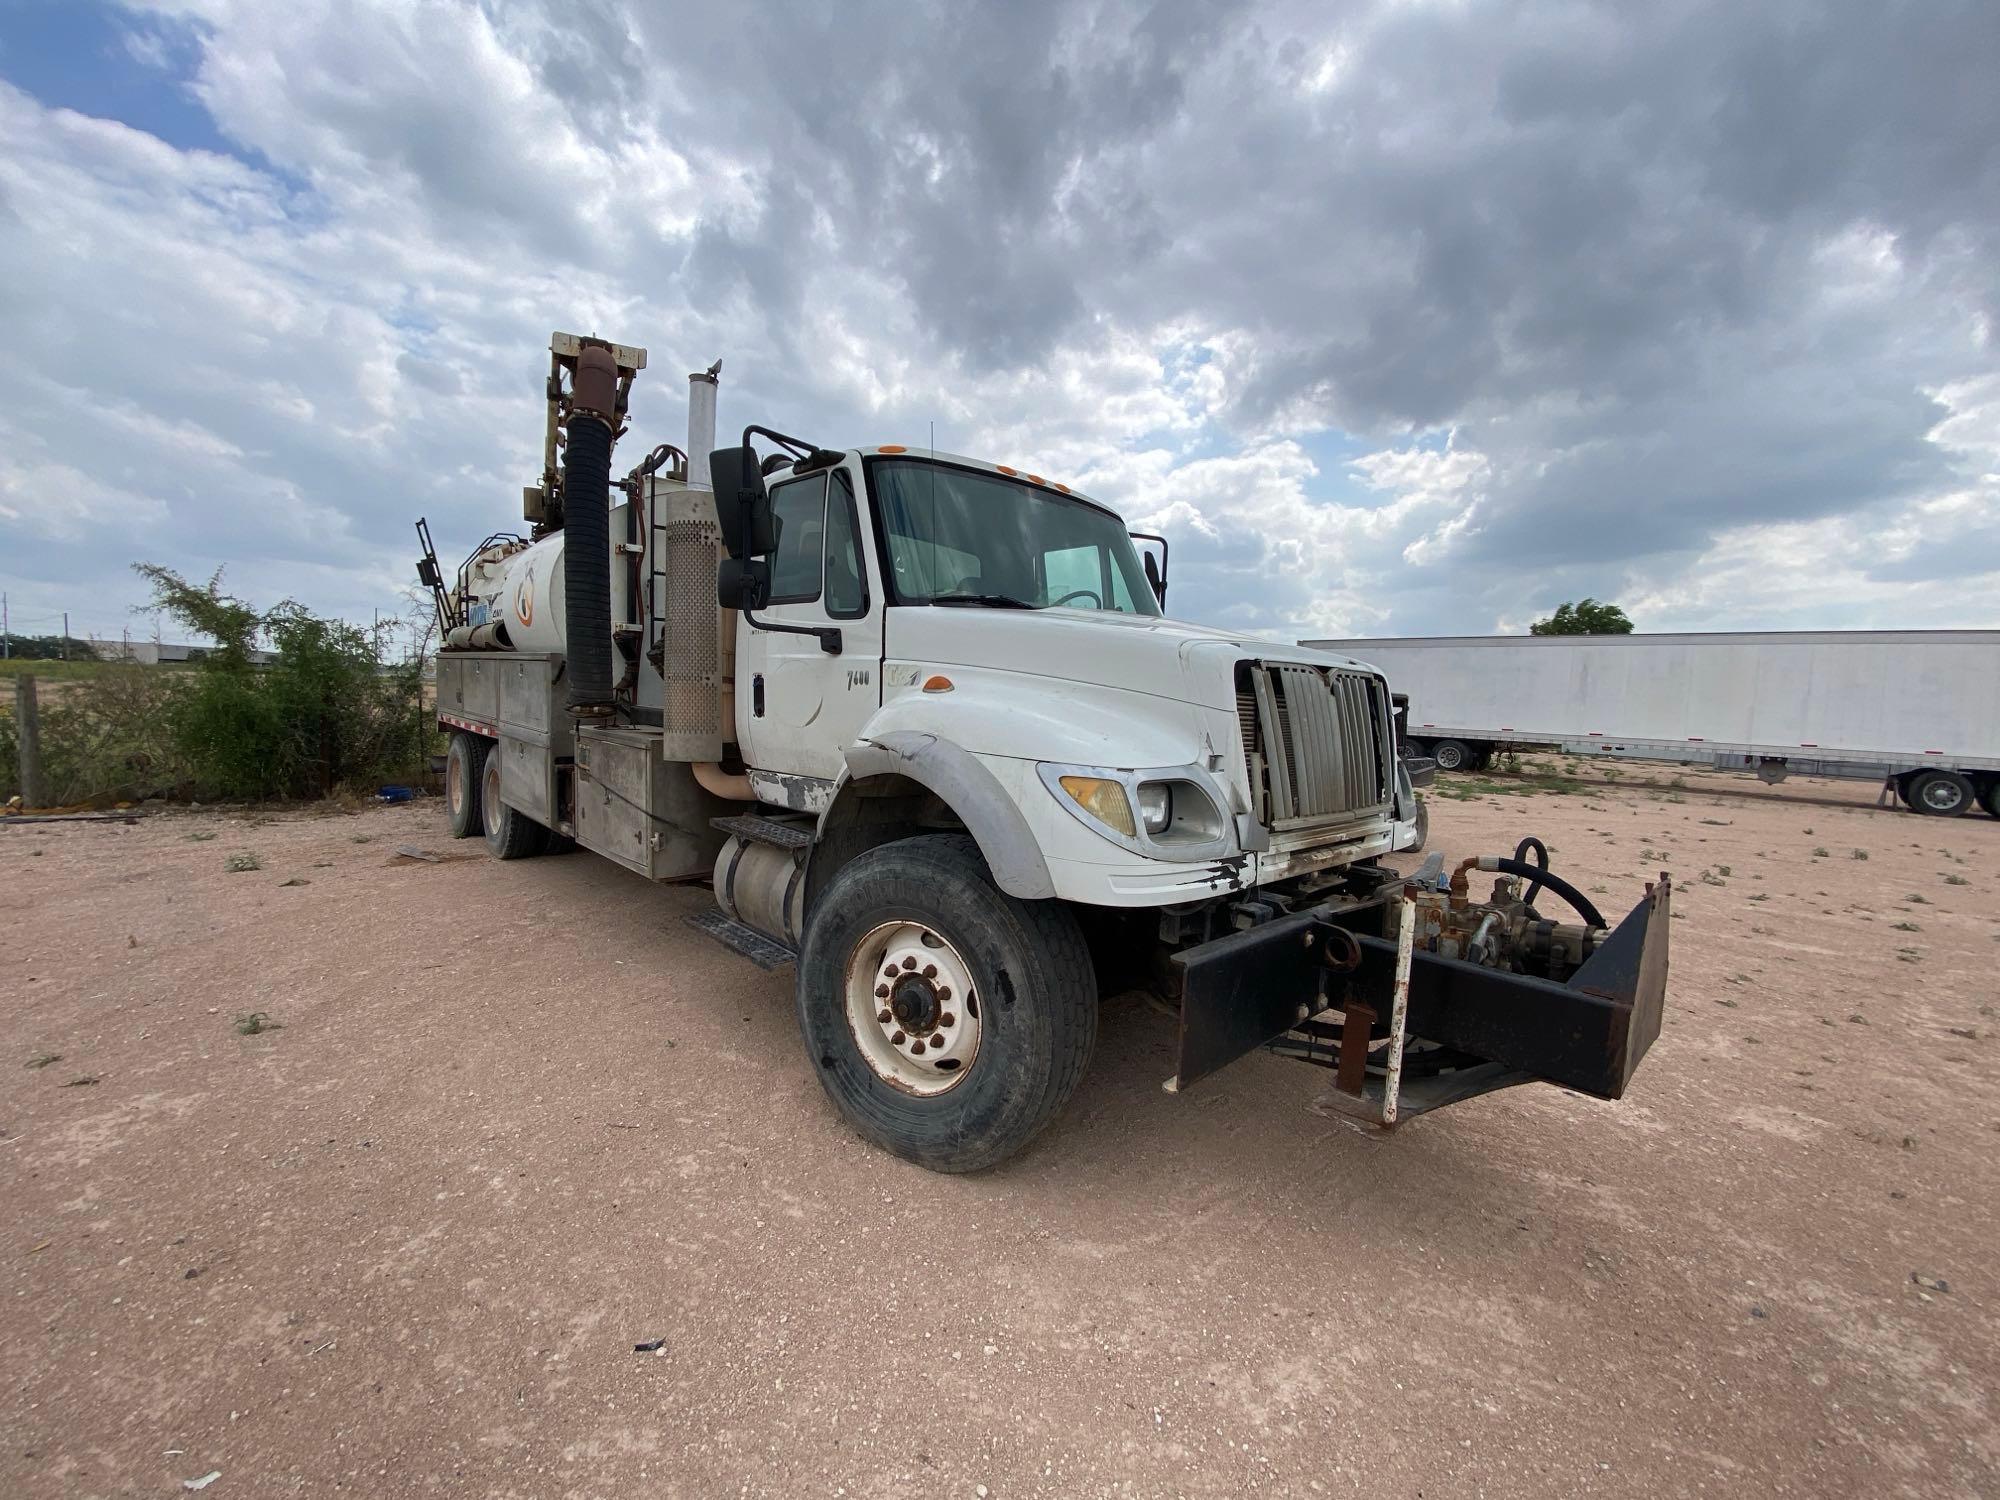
963	536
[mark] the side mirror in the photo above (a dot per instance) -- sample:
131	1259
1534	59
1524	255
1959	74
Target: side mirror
1156	569
742	504
742	583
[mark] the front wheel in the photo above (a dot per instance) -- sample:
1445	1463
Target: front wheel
1451	755
947	1021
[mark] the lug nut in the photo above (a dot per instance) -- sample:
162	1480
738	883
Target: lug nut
886	1017
881	992
909	963
930	971
897	1040
947	1019
891	972
944	992
916	1049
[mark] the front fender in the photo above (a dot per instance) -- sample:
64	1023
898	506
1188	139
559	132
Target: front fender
971	791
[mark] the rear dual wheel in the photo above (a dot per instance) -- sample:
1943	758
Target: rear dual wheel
1939	794
1451	755
510	833
464	773
947	1021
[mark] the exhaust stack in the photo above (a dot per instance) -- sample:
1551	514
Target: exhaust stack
701	423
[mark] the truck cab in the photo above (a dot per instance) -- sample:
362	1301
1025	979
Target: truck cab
972	624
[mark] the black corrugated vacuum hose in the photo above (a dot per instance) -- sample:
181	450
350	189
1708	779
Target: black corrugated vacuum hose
587	535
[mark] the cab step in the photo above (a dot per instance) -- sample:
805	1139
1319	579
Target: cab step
766	953
782	833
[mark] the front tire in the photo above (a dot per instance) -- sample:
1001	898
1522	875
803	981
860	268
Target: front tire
1014	977
464	772
510	833
1938	794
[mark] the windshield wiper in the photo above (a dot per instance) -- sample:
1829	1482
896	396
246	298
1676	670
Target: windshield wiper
991	601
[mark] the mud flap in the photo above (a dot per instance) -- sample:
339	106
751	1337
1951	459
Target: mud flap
1480	1028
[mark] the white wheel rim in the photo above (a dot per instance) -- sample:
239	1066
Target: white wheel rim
913	1008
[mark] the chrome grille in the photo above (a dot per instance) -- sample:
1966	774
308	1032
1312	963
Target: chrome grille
1317	743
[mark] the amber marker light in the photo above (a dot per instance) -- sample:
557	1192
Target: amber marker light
1104	800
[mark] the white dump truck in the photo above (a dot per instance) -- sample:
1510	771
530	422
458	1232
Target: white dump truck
921	724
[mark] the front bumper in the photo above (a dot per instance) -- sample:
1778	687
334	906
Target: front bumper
1416	1031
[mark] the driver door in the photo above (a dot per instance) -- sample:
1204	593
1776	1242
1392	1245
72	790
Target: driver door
798	706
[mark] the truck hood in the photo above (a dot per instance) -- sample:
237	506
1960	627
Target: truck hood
1135	653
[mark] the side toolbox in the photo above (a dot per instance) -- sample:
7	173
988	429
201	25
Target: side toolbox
643	811
535	735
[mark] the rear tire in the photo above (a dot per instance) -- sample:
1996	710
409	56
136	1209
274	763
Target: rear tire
1451	755
1989	796
1938	794
510	833
464	771
1029	997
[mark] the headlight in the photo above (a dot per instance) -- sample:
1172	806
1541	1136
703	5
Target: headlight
1191	814
1172	813
1104	799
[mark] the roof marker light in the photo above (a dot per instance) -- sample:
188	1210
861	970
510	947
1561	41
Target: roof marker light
892	448
1005	470
1036	479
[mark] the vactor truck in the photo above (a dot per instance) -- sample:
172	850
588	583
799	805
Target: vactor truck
922	725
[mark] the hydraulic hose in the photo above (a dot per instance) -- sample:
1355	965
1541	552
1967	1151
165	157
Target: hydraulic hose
1522	850
1541	877
587	534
